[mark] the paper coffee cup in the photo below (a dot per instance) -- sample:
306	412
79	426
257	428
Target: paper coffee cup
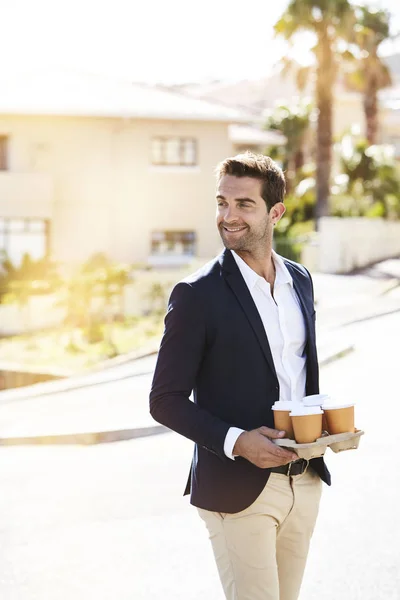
307	423
318	400
339	418
282	420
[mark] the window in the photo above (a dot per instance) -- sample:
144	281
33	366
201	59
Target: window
24	236
178	243
3	153
174	151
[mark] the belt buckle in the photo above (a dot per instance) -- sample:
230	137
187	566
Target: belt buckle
304	465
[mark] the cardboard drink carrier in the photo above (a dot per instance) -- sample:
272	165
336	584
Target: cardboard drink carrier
337	443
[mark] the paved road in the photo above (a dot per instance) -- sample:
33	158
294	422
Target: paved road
108	522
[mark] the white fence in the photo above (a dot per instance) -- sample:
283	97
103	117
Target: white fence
345	244
40	313
139	297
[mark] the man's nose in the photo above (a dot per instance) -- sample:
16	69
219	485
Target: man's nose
230	215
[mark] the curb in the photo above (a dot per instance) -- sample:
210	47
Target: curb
340	353
90	438
384	313
63	385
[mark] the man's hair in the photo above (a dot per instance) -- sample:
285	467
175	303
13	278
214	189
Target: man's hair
259	167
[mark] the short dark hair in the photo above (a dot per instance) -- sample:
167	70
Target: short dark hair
259	167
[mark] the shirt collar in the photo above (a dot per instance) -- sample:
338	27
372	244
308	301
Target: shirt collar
251	277
282	272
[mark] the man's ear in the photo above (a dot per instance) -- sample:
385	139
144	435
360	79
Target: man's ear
277	212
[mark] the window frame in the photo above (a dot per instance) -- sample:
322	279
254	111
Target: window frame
168	233
7	232
163	139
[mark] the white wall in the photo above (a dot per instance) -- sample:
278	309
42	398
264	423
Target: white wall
350	243
26	195
43	312
99	188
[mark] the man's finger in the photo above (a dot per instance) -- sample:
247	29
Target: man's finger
271	433
286	454
281	452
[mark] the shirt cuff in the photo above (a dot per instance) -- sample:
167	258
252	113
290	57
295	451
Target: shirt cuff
230	441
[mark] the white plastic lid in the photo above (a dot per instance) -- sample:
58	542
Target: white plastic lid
299	410
336	405
283	405
315	399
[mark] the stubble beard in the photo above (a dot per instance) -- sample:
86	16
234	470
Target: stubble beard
251	242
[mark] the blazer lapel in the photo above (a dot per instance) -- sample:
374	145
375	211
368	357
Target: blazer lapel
302	288
237	284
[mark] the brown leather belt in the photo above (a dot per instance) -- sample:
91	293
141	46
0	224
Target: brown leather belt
297	467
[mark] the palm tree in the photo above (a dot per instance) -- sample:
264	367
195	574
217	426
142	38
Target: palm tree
293	123
371	74
329	20
371	183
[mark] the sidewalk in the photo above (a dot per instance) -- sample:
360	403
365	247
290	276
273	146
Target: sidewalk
112	404
345	299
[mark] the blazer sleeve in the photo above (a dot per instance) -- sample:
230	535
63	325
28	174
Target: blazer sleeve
181	352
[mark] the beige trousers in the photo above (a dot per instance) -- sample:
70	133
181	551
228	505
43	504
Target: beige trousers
261	552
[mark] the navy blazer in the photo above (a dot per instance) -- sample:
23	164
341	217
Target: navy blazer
215	345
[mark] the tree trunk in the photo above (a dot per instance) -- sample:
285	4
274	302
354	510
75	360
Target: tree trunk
370	102
324	93
290	173
299	159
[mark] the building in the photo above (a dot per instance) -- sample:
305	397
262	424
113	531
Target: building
255	96
91	165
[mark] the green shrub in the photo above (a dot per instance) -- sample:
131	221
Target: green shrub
94	333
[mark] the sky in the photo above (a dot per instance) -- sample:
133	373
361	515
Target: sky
167	41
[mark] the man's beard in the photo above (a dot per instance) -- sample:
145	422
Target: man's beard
248	241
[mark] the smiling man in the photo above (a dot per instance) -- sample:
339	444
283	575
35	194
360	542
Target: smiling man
240	334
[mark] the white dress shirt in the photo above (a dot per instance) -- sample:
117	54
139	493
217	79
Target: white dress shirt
284	325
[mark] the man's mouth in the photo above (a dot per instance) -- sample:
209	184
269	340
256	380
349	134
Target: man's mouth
233	229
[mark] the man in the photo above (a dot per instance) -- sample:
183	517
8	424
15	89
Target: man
240	333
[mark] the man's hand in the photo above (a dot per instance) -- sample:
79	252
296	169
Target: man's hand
257	448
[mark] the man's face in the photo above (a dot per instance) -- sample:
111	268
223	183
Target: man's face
242	217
